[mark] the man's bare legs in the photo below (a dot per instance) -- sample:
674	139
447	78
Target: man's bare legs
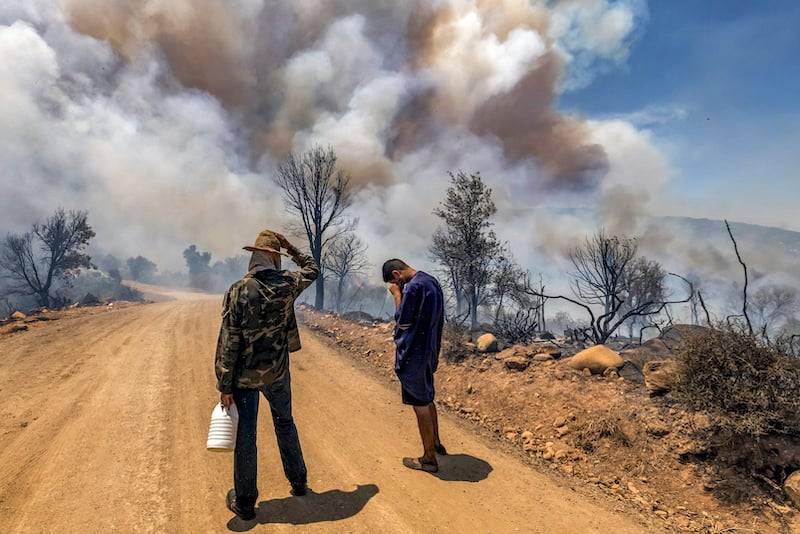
426	420
436	439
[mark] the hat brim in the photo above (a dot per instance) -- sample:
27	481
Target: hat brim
259	249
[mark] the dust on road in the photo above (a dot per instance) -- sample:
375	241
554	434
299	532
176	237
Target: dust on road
103	429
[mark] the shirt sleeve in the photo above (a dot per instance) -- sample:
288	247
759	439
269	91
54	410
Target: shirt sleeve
229	343
309	270
408	312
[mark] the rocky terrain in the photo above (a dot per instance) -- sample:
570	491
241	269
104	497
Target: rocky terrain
615	428
20	322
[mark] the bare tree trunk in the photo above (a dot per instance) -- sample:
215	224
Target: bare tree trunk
744	269
474	309
499	310
339	291
316	252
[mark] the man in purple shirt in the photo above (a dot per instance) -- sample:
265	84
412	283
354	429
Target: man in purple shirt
418	338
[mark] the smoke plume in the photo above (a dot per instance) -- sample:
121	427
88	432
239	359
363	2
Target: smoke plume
165	118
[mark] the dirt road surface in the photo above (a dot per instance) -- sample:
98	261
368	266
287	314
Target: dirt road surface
103	427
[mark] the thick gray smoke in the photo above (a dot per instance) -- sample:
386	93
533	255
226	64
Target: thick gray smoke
165	118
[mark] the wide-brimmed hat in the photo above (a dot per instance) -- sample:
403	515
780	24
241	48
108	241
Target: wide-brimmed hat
266	241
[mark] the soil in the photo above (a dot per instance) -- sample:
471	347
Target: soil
104	425
598	431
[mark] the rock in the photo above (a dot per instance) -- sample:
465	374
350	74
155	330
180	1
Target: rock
560	454
587	372
597	359
542	357
792	488
568	469
660	376
657	429
358	317
516	363
13	327
487	343
547	348
559	421
18	315
562	431
629	371
527	435
89	300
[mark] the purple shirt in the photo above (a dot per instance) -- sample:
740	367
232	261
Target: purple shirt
418	334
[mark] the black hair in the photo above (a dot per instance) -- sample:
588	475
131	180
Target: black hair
392	265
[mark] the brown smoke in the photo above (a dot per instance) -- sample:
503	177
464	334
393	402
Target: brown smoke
239	60
198	39
526	123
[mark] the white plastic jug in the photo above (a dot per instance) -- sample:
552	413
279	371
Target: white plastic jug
222	431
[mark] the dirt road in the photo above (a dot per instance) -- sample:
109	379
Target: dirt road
103	427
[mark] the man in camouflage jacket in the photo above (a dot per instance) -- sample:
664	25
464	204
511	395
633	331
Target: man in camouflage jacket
257	333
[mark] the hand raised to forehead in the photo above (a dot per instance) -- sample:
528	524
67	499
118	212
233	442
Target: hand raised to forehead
282	240
394	288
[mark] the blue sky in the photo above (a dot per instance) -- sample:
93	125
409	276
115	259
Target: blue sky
718	84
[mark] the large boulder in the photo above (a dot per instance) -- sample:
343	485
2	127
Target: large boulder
657	349
597	359
792	488
487	343
629	371
660	376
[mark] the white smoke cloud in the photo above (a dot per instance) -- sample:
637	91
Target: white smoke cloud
165	118
154	168
595	34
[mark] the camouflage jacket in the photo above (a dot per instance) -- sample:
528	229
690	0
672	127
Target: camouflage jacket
259	327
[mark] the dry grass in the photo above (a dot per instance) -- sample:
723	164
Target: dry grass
596	429
751	387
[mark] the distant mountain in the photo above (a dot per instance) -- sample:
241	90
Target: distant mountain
750	236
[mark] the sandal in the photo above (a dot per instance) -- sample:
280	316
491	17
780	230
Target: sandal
419	465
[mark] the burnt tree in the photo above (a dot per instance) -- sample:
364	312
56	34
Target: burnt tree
344	258
52	251
318	193
604	269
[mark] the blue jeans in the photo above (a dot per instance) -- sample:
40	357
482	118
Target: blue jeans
245	461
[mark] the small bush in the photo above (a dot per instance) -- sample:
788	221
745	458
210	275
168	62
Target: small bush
594	430
521	327
750	386
454	341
